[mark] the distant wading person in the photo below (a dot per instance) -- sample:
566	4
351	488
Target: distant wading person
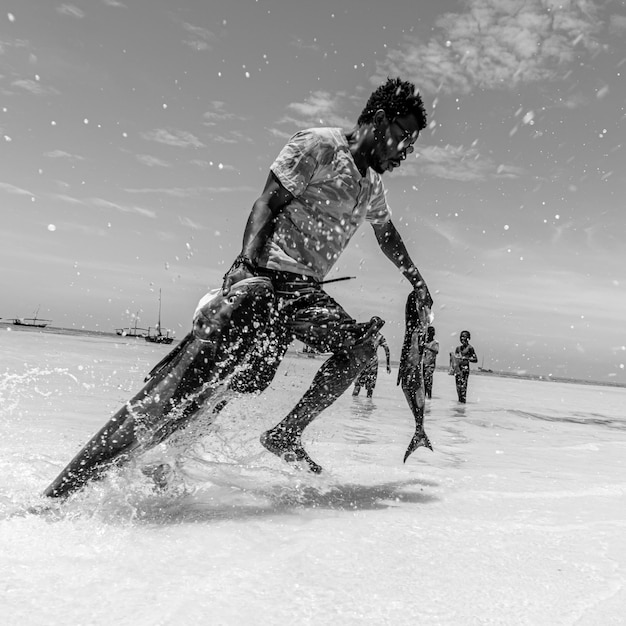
465	354
429	360
368	377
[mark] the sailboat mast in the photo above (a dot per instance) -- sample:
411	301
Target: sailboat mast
159	322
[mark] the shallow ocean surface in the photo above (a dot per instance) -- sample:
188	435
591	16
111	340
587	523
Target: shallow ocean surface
518	516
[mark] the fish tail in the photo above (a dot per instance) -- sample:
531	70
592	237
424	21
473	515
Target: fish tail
420	438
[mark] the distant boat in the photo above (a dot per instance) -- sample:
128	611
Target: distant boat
158	336
133	331
482	369
35	321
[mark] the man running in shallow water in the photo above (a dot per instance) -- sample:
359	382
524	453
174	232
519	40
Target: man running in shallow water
322	186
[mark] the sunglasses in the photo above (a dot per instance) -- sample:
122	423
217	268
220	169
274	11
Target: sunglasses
407	138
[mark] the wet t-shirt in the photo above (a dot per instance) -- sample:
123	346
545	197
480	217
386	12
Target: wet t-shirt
331	200
431	348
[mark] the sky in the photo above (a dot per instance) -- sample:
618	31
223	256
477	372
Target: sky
135	136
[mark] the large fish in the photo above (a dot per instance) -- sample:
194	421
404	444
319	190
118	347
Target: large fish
225	330
410	373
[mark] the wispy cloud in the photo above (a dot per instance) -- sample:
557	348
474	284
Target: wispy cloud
509	171
33	86
219	119
177	138
281	134
450	232
188	192
174	192
320	109
219	113
456	163
67	199
17	191
185	221
122	208
202	39
151	161
497	44
61	154
87	230
234	137
71	11
7	45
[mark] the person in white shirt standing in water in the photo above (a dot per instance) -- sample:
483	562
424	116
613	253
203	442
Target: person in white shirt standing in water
429	360
465	354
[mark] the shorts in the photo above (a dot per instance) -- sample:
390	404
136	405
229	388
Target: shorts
304	311
367	378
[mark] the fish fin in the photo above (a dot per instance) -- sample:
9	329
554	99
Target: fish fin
169	357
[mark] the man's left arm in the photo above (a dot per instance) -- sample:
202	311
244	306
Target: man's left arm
384	345
393	247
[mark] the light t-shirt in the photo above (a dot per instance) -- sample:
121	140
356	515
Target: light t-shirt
379	342
430	353
331	200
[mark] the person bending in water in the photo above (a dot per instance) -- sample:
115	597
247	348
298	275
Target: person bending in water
465	354
429	360
323	185
367	378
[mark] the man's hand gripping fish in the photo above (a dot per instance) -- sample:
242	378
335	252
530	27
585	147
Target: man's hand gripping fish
410	373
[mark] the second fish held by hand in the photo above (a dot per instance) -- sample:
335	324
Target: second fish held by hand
410	374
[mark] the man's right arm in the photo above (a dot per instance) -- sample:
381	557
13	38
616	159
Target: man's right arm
259	229
393	247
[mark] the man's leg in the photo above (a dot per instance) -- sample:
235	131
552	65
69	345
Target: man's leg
461	386
179	387
428	382
262	363
356	390
372	377
465	381
334	377
306	312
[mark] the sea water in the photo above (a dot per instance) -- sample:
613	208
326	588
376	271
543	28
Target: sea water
518	516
